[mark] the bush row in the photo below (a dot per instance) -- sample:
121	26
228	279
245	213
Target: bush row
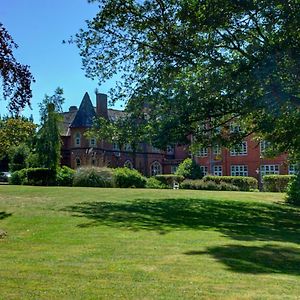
276	183
207	185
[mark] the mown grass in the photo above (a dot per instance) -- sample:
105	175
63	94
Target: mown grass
87	243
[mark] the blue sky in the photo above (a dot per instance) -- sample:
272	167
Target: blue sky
39	27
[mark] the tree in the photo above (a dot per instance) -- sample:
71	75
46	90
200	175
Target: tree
48	143
16	78
14	132
189	169
198	65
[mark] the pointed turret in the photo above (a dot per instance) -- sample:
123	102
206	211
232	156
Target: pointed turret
85	114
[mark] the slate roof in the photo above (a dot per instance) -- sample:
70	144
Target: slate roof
68	118
85	114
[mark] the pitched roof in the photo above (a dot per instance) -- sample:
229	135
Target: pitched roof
85	114
67	120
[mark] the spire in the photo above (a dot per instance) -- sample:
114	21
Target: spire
85	114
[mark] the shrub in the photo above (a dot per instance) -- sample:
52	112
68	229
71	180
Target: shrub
243	183
125	178
17	157
93	177
189	169
153	183
18	177
169	179
33	176
207	185
64	176
40	176
276	183
293	191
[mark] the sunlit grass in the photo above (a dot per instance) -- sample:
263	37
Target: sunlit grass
88	243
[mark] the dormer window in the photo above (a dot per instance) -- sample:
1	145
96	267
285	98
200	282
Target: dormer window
77	139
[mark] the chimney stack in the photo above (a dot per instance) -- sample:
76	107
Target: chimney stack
101	105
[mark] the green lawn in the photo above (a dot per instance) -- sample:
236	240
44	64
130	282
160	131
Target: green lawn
85	243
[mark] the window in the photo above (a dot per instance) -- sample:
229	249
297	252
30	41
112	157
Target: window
239	170
155	169
174	169
204	170
116	147
292	169
218	171
92	142
235	128
217	150
155	150
127	147
170	150
269	169
202	152
93	161
77	139
77	162
239	150
264	145
128	164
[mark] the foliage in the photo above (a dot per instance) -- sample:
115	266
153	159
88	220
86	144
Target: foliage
48	143
93	177
33	176
189	169
207	185
194	66
18	157
19	177
153	183
293	191
169	179
276	183
16	78
64	176
15	131
244	183
125	178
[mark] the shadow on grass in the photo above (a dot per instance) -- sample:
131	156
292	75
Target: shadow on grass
4	215
239	220
256	259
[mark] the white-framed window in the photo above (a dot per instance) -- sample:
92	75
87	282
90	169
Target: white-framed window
263	146
92	142
235	128
170	150
127	147
239	150
269	170
155	150
77	162
202	152
204	170
115	147
128	164
174	169
218	171
155	168
292	169
77	139
239	170
216	150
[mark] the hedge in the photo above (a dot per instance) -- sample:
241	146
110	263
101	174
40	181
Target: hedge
207	185
244	183
153	183
94	177
169	179
34	176
125	178
65	176
276	183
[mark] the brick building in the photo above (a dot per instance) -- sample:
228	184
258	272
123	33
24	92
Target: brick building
77	150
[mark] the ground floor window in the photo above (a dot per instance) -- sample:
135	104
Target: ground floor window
204	170
218	171
77	162
269	170
174	169
239	170
155	169
128	164
292	169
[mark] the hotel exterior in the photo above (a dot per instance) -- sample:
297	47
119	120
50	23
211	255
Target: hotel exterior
77	150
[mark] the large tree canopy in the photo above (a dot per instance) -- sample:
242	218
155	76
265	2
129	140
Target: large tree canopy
16	78
195	65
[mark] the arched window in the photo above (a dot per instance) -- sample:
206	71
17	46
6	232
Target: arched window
77	139
77	162
155	168
128	164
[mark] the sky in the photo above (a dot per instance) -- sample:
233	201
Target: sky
39	27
